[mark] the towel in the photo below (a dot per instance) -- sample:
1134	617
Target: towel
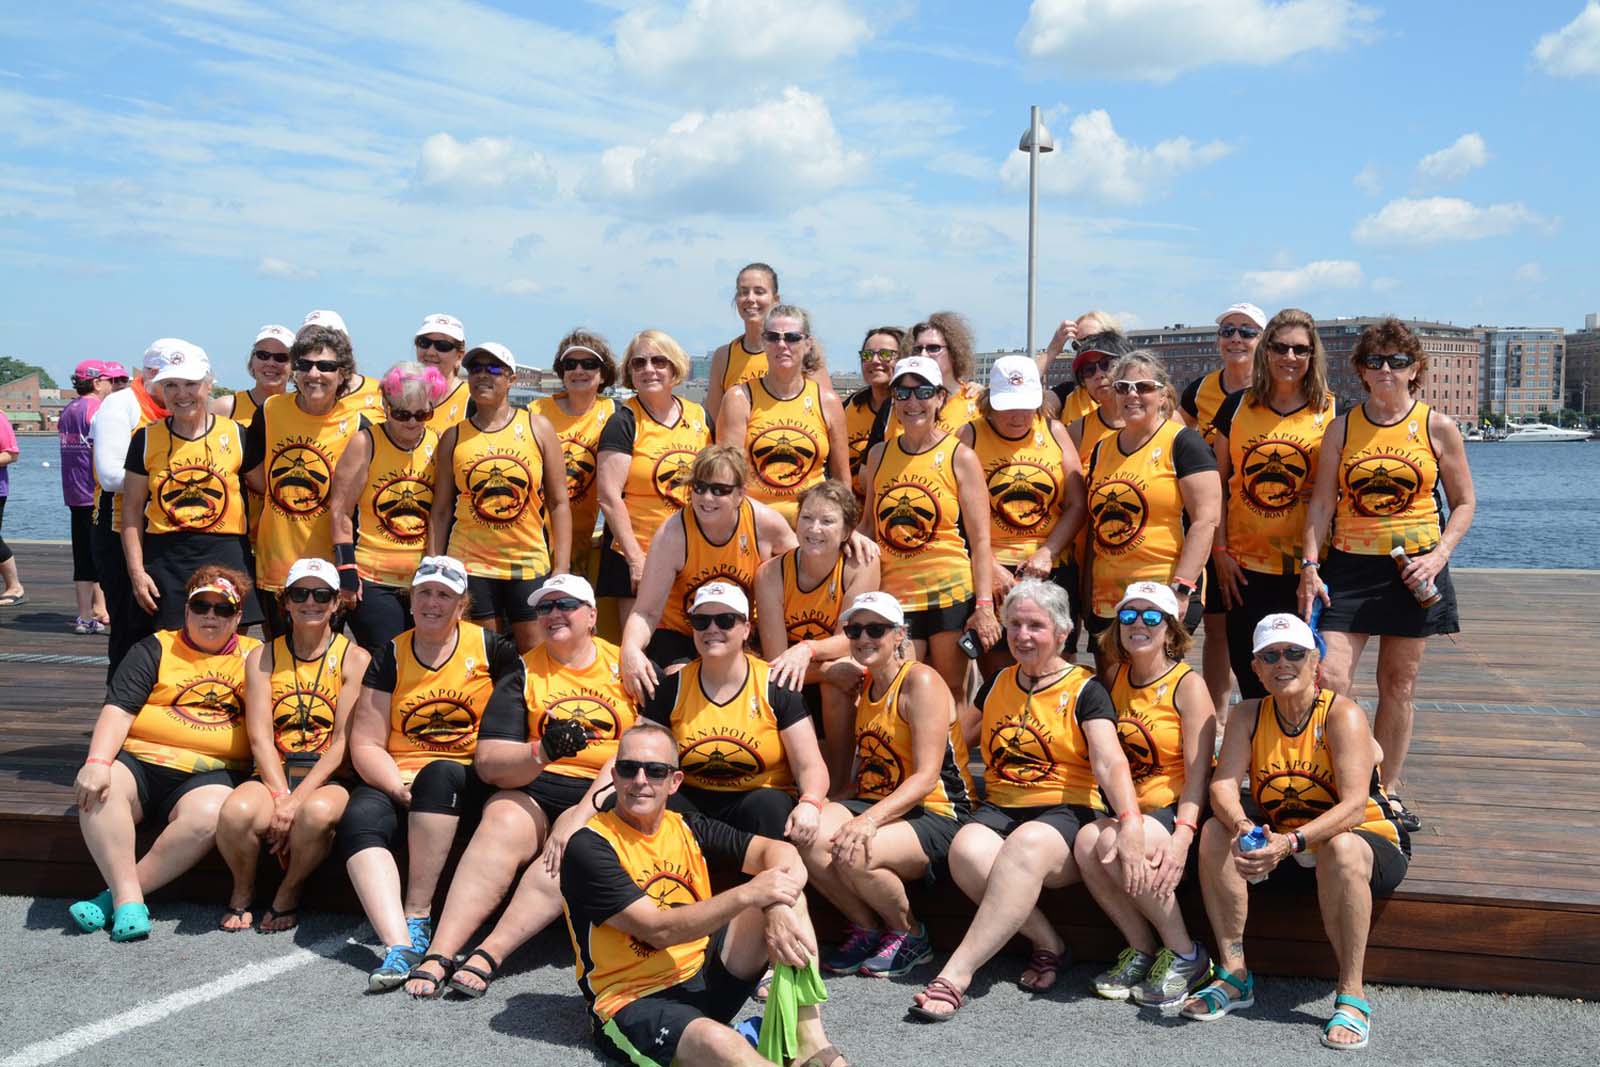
791	990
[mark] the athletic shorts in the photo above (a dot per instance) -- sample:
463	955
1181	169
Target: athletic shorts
505	598
1064	819
921	625
1389	864
763	812
668	648
555	793
934	832
1369	598
647	1031
612	578
160	788
1213	593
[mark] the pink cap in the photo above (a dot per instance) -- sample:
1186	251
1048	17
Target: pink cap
89	370
112	369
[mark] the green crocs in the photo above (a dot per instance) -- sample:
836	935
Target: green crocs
93	914
131	922
1360	1025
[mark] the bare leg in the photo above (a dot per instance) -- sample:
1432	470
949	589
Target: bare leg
84	592
1133	916
880	881
1399	659
189	834
376	879
972	856
108	832
1227	898
745	954
1215	665
706	1041
310	841
8	578
1339	665
429	836
240	827
828	880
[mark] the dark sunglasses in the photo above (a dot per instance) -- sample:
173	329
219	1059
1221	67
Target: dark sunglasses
1278	348
1396	360
447	345
1150	616
489	367
874	630
576	363
562	604
119	381
1099	366
931	350
402	415
640	362
628	769
879	355
725	620
269	357
772	337
220	608
300	595
1247	332
1143	386
326	366
718	489
1293	655
921	392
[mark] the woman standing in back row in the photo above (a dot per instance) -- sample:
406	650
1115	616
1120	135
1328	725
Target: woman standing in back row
578	415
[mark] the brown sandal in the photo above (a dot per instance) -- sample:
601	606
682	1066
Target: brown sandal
943	992
1043	964
827	1056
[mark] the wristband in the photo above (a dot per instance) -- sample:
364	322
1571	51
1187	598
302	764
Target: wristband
1297	841
1184	587
1193	828
1310	564
344	555
1219	550
981	601
813	801
280	794
1130	815
97	759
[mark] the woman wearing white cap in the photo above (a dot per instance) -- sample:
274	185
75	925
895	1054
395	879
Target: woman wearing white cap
911	792
412	741
439	343
168	747
268	367
1033	479
299	693
183	498
1312	767
549	754
359	394
578	414
503	481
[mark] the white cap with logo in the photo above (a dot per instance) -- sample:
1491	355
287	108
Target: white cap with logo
317	569
880	604
1155	593
572	585
496	351
441	570
721	594
448	325
180	361
922	366
1249	311
323	317
274	332
1014	384
1282	629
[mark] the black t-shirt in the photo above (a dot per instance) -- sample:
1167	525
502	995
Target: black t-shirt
617	434
788	707
1094	702
596	887
135	677
505	667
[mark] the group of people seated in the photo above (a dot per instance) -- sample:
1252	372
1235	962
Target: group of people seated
820	608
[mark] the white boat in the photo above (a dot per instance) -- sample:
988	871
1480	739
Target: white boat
1539	433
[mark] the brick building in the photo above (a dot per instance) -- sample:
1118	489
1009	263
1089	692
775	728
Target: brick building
1523	370
1583	366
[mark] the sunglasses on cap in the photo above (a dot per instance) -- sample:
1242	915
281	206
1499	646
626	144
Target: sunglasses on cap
1293	655
579	363
1149	616
1279	348
628	769
879	355
725	620
874	630
793	337
563	604
717	489
1142	386
220	608
1230	330
300	594
1395	360
921	392
402	415
443	570
269	357
326	366
446	345
488	366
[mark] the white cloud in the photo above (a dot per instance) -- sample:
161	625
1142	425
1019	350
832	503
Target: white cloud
1274	285
482	165
1530	273
1574	50
1385	284
1467	154
520	287
273	267
1094	160
1367	181
1156	40
738	161
1442	218
709	42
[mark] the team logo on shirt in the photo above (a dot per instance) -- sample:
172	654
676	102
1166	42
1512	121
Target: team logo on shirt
298	477
302	722
1018	753
1021	495
1138	746
671	475
193	497
1119	510
669	890
210	702
580	463
595	716
440	724
499	488
721	759
1273	472
881	771
1292	798
907	516
811	625
402	503
784	455
1382	485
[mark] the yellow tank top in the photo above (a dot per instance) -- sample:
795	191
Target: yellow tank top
1387	479
1034	751
658	475
787	445
1135	516
917	524
1079	403
499	527
1095	430
811	614
734	560
449	411
302	451
244	412
392	511
1151	732
434	712
1026	481
735	746
193	719
883	754
615	969
858	420
743	365
244	407
593	696
1292	779
1207	400
960	408
365	400
194	485
580	446
1274	465
305	697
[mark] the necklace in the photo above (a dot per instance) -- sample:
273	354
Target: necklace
1303	717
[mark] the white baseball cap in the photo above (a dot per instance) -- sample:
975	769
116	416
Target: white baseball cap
880	604
180	361
448	325
322	317
274	332
1160	595
497	350
441	570
1014	384
1282	629
922	366
572	585
159	352
319	569
1249	311
721	594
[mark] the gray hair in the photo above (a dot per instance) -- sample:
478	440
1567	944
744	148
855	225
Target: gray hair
1047	596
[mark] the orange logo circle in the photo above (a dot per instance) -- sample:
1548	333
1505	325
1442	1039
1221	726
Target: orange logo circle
1383	485
303	723
598	718
193	497
402	504
1018	754
1118	510
722	759
881	769
499	488
298	478
210	702
1139	747
671	475
1273	473
784	456
1021	495
907	517
440	724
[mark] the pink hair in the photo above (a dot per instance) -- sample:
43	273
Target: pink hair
401	373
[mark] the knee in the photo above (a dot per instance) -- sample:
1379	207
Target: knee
1345	858
1034	848
1215	841
1088	839
198	815
318	815
238	816
1397	682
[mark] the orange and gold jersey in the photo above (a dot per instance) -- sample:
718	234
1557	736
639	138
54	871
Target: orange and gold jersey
917	523
786	442
1202	400
499	522
244	412
193	719
451	410
1078	403
960	408
434	713
743	365
1034	751
732	747
735	560
1151	732
1292	779
301	453
811	614
1387	478
392	511
1026	482
1095	430
884	754
859	418
580	446
1135	515
194	485
365	401
1274	465
658	475
305	697
244	407
593	696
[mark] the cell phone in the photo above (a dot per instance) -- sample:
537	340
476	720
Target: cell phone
969	644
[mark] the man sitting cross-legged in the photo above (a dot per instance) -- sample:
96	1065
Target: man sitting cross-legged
664	963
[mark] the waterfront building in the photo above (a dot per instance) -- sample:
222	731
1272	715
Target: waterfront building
1523	370
28	406
1583	366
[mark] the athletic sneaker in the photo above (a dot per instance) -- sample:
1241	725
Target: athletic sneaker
394	970
83	626
421	931
1172	978
1130	969
898	952
860	945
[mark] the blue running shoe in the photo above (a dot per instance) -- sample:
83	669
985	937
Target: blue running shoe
421	931
394	970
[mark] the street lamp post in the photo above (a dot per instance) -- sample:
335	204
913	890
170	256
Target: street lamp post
1035	141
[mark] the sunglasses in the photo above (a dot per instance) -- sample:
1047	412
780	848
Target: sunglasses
1143	386
658	362
628	769
220	608
725	620
447	345
563	604
1149	616
453	573
874	630
929	350
326	366
793	337
1395	360
921	392
269	357
1278	348
1247	332
879	355
1293	655
717	489
402	415
585	363
119	381
1099	366
489	367
300	595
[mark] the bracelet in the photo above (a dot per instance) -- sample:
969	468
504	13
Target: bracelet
279	794
1219	550
97	759
813	801
1193	828
1297	841
1310	564
981	601
1130	815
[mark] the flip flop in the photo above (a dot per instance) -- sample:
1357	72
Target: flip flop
233	913
12	600
273	913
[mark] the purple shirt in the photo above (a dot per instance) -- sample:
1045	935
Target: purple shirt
77	454
8	443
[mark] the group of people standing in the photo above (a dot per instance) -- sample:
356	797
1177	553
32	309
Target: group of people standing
822	606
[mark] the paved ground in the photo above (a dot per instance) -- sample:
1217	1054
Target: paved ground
194	995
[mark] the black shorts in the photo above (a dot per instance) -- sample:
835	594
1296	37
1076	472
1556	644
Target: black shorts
504	598
648	1030
668	648
1099	624
1389	865
171	560
1064	819
160	788
921	625
934	832
555	793
1213	591
1262	595
764	812
1369	598
612	578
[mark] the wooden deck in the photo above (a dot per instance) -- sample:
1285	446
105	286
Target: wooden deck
1504	887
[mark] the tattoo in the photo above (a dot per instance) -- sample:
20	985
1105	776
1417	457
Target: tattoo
1234	950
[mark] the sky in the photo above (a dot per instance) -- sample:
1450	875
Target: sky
200	168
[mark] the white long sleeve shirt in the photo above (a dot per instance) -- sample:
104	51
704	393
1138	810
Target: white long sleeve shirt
112	428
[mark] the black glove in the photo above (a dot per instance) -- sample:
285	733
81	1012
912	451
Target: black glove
563	738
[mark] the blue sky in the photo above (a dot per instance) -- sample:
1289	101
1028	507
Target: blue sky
200	168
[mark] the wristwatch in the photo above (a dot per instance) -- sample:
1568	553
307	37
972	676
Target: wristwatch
1184	588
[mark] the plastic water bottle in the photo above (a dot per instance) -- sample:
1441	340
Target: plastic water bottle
1251	840
1427	595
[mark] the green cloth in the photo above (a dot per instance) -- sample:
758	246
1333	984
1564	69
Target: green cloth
791	990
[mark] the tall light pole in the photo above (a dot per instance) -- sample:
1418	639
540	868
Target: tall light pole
1035	140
